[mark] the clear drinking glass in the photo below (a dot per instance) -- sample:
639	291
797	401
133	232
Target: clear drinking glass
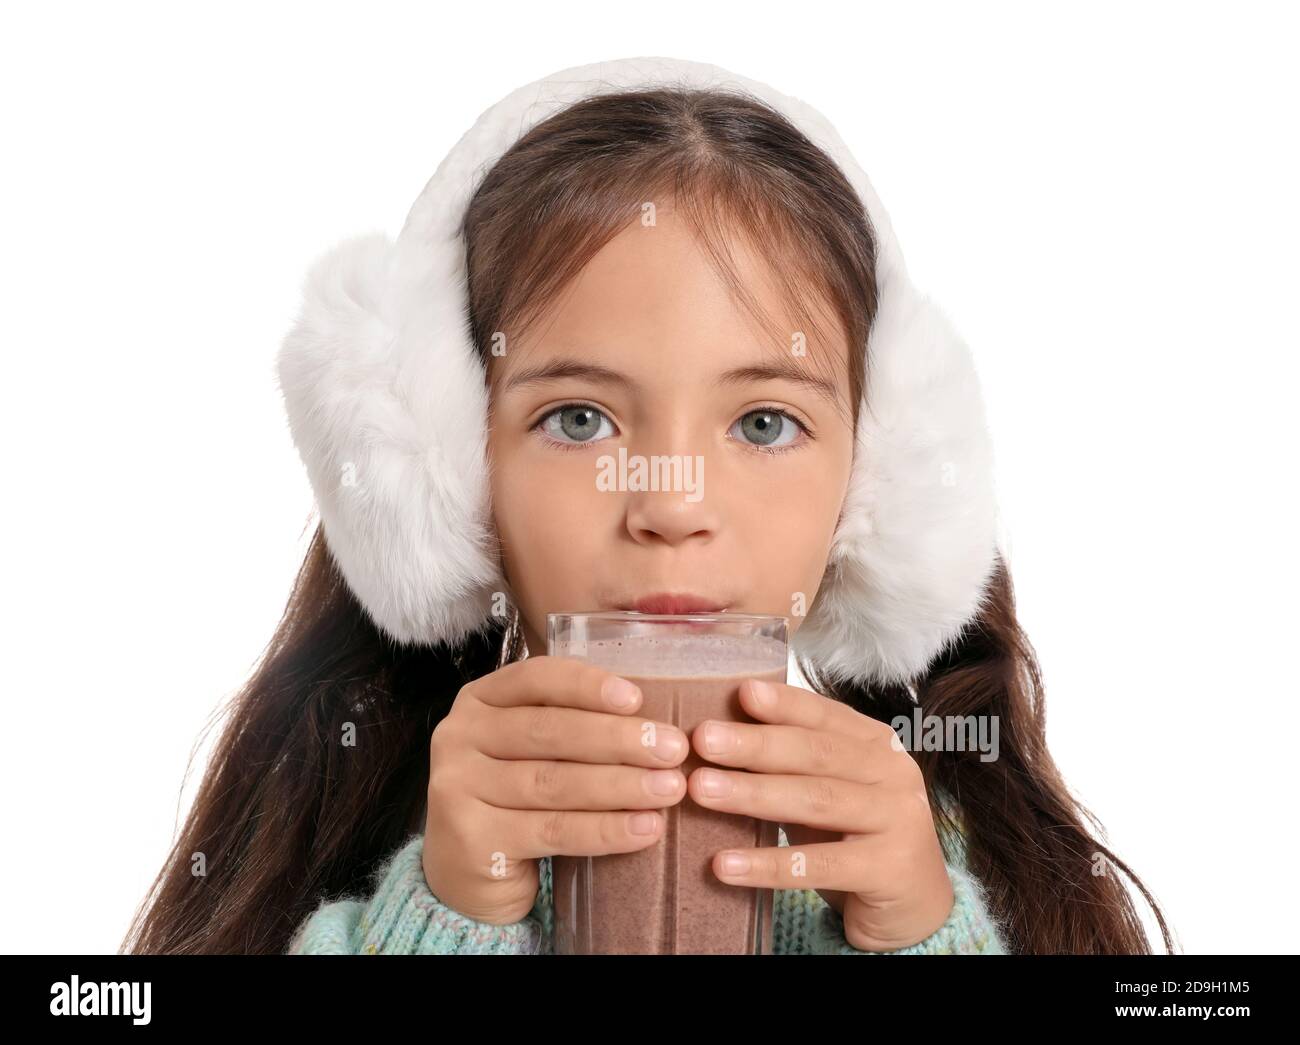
665	899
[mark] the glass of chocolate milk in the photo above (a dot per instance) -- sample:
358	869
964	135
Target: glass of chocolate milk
665	899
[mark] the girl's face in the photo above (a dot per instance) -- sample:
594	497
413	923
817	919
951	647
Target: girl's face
747	518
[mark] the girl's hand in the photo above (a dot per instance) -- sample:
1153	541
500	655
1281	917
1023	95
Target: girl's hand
521	767
853	805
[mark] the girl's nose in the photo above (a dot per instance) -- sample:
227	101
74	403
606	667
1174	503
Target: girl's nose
669	517
669	501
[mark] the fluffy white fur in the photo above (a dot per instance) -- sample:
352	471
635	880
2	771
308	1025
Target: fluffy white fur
387	406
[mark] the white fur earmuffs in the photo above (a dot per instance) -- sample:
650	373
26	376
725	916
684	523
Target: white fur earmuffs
387	405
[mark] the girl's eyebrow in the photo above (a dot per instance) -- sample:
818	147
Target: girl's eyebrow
557	369
560	368
782	371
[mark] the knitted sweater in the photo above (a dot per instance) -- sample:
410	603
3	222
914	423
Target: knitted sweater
404	917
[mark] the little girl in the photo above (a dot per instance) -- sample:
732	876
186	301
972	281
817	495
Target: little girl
658	257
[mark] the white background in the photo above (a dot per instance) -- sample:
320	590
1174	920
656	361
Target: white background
1103	197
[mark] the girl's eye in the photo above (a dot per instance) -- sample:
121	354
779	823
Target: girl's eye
575	425
766	426
578	424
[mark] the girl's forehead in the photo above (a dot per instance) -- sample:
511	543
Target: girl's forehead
654	306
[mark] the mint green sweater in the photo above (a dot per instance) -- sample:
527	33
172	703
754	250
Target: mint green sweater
404	917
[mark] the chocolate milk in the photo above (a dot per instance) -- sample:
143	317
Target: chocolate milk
665	899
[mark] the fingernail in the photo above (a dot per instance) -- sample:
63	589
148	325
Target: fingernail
734	863
619	692
669	745
718	738
764	694
715	784
642	823
661	781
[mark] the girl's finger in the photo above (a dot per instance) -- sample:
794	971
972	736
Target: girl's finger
563	832
777	702
569	734
841	866
538	784
822	802
792	749
565	681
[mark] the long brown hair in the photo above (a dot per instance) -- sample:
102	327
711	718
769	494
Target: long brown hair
288	815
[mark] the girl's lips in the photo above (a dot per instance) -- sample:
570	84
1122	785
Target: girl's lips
664	602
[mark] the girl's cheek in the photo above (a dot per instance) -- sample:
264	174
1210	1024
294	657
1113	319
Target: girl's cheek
791	542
